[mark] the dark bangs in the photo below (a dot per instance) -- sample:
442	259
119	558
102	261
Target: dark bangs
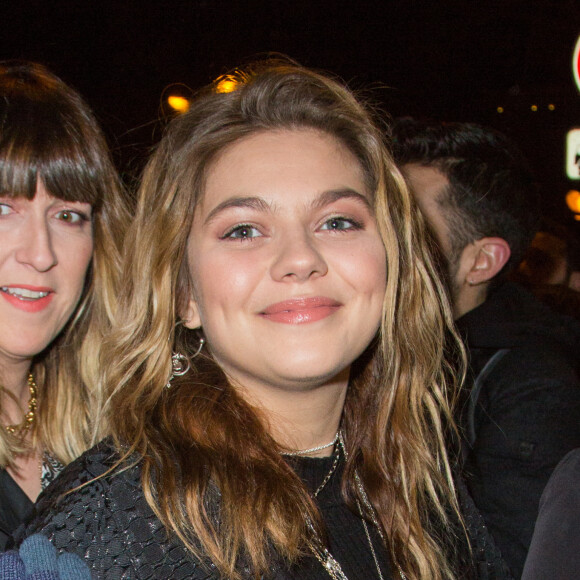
52	136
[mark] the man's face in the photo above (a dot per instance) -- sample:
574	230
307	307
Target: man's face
470	268
427	185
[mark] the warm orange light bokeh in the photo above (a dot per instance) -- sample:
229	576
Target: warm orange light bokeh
573	202
226	85
179	104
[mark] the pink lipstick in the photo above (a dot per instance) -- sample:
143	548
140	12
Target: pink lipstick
27	298
301	310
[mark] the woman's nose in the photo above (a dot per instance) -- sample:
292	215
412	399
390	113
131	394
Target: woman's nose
298	259
35	247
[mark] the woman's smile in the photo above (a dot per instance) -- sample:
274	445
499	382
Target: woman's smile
301	310
26	297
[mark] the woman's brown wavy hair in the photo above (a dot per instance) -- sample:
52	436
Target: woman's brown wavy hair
48	132
211	471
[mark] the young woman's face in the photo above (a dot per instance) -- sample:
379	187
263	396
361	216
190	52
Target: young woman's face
288	267
46	245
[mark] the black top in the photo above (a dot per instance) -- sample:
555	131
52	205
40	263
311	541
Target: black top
15	507
528	411
347	540
108	522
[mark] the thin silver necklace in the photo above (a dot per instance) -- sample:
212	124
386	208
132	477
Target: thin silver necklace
321	552
311	450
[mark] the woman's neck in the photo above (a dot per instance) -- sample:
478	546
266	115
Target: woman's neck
303	419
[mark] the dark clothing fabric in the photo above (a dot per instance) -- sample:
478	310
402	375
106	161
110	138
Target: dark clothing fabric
15	507
109	523
555	549
527	415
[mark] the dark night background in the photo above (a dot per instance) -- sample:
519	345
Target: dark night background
448	59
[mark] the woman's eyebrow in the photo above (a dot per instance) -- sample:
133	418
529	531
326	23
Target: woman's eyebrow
332	195
256	203
260	204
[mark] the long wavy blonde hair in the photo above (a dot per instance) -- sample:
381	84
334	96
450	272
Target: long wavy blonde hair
47	132
201	436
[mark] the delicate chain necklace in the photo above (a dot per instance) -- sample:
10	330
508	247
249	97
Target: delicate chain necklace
317	548
311	450
30	416
330	473
321	552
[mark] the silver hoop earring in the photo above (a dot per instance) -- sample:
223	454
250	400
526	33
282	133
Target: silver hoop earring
198	351
180	364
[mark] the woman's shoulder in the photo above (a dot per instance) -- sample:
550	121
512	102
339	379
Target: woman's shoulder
96	509
80	495
89	467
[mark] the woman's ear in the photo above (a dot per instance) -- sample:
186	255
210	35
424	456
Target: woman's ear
191	317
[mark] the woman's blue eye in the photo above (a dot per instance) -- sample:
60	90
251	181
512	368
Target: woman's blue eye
340	224
5	209
242	232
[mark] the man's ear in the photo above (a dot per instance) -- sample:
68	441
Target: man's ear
191	317
489	255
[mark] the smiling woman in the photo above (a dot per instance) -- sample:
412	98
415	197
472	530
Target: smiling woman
46	245
286	216
60	211
277	275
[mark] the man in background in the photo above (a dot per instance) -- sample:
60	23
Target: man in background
522	410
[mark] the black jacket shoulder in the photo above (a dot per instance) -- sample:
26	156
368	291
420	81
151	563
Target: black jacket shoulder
96	509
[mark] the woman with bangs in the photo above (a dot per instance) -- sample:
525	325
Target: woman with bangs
280	371
60	213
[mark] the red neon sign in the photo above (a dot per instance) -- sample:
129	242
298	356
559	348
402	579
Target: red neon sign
576	63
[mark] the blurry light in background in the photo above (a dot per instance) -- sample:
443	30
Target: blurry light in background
226	84
534	108
573	202
500	109
552	107
179	104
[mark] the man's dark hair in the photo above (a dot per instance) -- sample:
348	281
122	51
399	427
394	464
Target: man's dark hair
491	193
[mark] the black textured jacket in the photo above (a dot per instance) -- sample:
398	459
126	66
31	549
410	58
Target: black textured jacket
108	522
527	415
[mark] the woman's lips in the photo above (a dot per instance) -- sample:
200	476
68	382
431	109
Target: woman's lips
27	298
301	310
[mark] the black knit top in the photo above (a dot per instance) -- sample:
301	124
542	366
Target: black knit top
347	540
